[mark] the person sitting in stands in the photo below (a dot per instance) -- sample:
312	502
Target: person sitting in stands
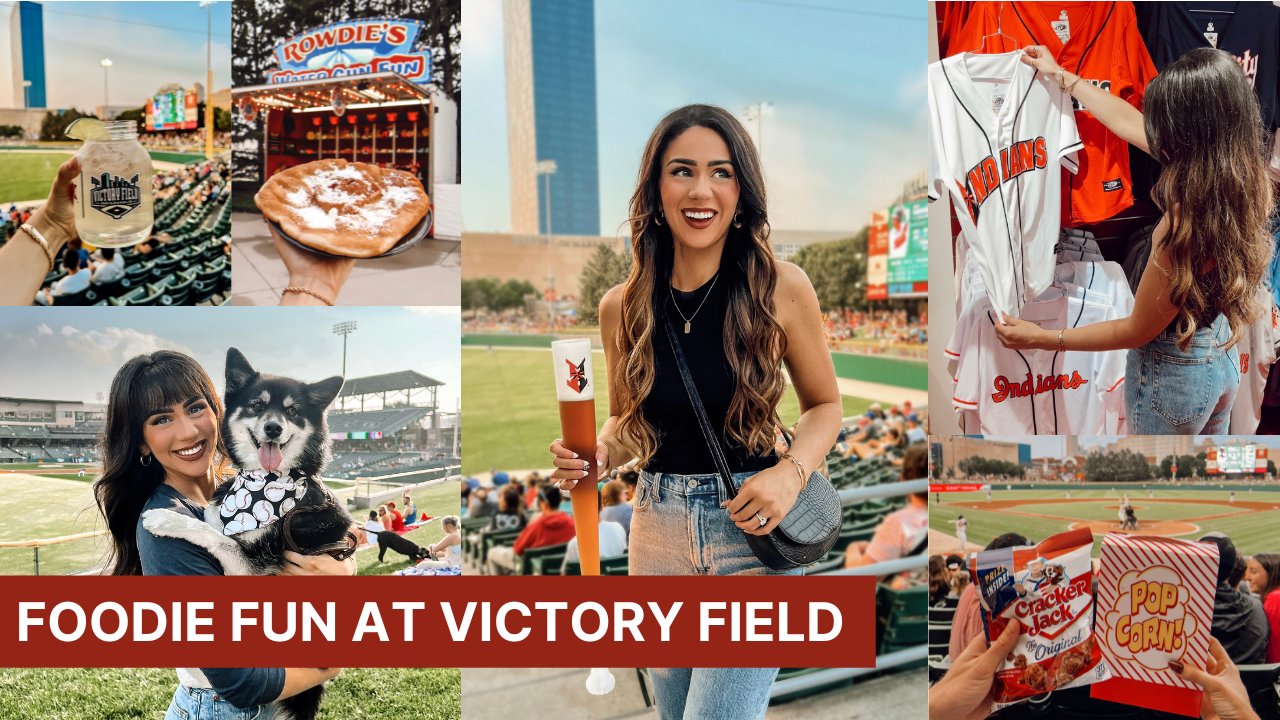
552	527
109	269
76	280
904	532
615	508
1239	621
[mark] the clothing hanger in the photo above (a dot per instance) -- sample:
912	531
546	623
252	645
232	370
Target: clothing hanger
999	29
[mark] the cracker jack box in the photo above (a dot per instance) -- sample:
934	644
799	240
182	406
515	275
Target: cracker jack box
1155	604
1047	590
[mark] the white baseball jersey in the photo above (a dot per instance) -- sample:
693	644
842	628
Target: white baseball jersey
1257	352
999	130
1044	392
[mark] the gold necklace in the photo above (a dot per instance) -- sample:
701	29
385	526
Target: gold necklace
688	320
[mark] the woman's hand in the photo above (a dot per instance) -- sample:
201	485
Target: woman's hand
1039	57
1021	335
323	275
1224	696
966	691
769	494
311	565
570	468
59	212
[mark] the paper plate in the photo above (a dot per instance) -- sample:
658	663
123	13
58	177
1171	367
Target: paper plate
414	236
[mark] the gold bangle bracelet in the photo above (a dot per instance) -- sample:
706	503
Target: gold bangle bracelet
804	477
35	235
313	293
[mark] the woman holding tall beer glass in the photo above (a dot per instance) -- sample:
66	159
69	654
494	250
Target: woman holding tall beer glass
702	258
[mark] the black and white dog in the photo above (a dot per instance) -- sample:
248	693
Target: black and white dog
276	435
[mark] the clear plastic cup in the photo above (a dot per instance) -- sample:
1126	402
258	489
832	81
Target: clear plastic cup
113	201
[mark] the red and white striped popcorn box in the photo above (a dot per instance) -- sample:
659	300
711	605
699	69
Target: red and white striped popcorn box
1155	604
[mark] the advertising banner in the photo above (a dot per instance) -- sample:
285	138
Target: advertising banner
909	249
356	47
878	256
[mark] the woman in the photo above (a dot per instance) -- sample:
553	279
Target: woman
939	580
385	517
615	507
162	449
1263	574
1202	121
447	552
702	258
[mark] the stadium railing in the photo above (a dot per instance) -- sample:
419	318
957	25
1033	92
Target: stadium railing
67	555
395	485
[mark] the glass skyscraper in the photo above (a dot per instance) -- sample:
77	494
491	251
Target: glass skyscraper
26	42
564	93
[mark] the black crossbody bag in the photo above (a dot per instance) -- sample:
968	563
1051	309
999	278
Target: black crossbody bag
809	529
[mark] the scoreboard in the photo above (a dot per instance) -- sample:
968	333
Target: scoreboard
1236	459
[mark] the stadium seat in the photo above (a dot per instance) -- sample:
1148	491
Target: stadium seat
177	289
144	295
98	293
163	266
545	560
904	617
79	298
1260	683
138	272
493	539
203	290
617	565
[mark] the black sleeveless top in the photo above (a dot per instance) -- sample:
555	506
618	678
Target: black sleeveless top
681	447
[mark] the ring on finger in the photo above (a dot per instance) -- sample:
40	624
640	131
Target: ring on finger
762	520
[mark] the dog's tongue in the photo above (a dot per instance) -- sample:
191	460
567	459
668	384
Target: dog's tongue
269	455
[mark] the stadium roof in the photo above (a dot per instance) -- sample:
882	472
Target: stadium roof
390	382
387	422
33	400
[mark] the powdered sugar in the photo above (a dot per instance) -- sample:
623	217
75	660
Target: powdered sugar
367	219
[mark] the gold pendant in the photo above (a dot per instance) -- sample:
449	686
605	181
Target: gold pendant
686	327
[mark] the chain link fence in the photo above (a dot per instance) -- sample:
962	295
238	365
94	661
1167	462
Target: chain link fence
70	555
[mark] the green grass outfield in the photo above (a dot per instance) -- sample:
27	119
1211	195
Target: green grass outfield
1252	533
511	414
37	508
23	176
144	693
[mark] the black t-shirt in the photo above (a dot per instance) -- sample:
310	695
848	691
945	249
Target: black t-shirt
1250	31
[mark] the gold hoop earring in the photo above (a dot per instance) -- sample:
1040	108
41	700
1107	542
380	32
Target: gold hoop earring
144	457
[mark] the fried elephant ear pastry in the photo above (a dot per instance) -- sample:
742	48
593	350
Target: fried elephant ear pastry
344	208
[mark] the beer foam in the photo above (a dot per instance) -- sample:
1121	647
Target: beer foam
574	379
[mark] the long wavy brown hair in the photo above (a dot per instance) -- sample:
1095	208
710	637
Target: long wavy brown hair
754	341
1204	124
141	386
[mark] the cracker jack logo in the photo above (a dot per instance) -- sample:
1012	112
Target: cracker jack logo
577	376
114	196
983	179
1006	388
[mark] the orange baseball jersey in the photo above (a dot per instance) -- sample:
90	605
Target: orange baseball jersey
1098	41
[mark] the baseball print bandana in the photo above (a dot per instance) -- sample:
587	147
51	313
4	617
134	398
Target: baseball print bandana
257	499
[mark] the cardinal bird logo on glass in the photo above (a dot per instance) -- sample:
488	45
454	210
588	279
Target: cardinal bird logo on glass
577	376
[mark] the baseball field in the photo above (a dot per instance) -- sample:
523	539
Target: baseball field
1187	512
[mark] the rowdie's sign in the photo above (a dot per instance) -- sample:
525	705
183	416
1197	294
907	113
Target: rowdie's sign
355	47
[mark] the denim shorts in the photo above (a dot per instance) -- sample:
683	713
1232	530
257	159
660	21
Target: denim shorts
679	528
204	704
1171	392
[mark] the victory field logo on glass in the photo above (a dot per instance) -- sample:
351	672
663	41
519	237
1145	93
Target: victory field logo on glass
577	376
113	195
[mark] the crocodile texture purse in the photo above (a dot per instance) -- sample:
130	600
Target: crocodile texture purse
809	529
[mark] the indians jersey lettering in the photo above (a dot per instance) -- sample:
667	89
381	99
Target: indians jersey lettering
1000	129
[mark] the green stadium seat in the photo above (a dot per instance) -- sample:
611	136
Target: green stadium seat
903	616
545	560
617	565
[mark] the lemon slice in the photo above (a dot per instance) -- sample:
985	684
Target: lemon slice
88	129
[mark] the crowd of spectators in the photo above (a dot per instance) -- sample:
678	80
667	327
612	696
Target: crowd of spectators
516	324
182	140
890	327
878	431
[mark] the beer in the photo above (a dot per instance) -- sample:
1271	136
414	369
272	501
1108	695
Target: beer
113	206
575	389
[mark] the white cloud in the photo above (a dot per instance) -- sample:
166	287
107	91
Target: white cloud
68	331
117	344
435	310
43	329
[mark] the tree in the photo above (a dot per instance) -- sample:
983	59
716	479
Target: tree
221	119
978	465
493	294
838	270
54	125
1271	467
603	271
1113	467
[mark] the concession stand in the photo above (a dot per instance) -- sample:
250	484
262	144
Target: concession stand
358	90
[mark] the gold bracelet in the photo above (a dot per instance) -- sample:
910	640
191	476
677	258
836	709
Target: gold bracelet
313	293
1058	74
35	235
1061	347
804	477
1071	90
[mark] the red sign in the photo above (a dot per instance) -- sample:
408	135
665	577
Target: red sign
538	621
956	488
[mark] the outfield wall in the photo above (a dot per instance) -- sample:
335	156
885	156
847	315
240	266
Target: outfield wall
1132	486
898	372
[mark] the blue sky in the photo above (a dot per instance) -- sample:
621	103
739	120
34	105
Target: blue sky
848	90
73	353
143	57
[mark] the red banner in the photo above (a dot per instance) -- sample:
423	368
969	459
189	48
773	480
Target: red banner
956	488
452	621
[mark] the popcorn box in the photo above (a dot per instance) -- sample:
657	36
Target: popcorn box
1047	589
1155	604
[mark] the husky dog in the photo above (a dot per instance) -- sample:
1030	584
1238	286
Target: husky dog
275	432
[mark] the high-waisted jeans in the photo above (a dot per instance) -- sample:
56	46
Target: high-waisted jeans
1171	392
679	528
203	704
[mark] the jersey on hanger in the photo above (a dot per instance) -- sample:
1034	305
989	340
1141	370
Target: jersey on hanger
999	131
1099	41
1257	352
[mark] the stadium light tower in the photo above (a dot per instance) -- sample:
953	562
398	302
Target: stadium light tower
208	91
344	329
105	63
757	112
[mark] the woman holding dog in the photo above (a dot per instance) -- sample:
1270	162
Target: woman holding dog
703	260
163	449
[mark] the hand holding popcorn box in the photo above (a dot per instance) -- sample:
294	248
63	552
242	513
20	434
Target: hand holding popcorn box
1047	589
1155	604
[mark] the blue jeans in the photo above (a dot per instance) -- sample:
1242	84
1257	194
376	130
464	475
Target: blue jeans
203	704
679	528
1171	392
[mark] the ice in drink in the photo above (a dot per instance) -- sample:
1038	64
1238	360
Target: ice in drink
575	389
113	204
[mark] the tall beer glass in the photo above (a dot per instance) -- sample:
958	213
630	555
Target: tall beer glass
113	190
575	389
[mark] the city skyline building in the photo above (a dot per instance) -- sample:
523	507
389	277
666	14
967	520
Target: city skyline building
26	54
